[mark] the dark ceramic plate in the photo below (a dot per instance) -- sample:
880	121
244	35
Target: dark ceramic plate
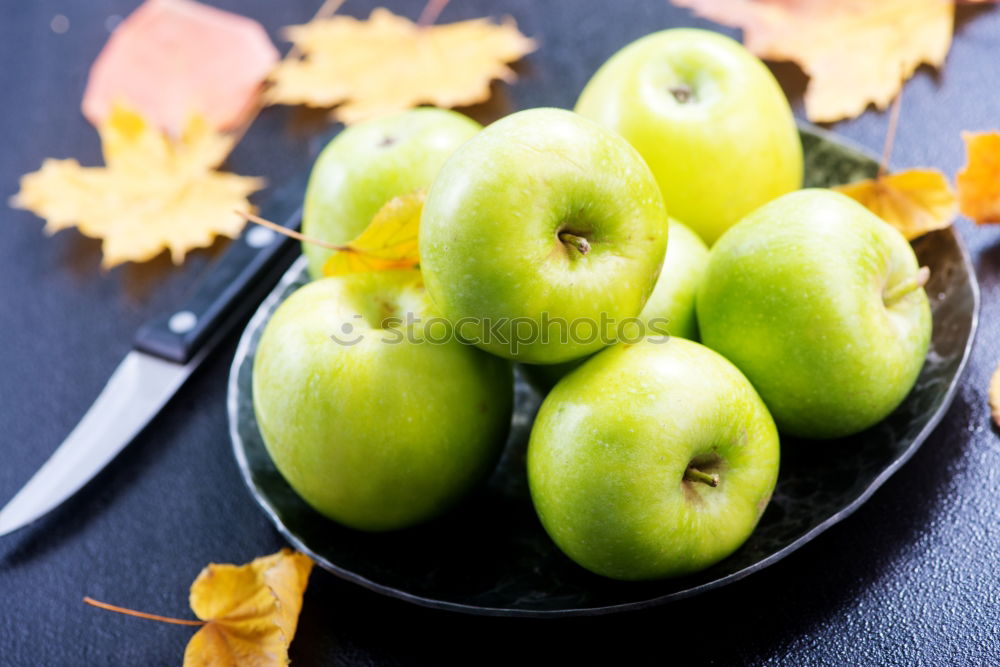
491	556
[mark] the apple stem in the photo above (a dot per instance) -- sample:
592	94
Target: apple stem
578	242
695	475
907	286
682	93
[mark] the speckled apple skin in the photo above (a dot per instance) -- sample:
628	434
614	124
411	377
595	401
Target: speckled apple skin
794	297
725	151
609	451
672	299
489	233
376	436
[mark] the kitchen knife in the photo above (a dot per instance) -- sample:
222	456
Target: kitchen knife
166	351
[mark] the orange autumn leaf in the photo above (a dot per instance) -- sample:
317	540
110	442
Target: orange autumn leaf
979	180
855	52
173	58
251	611
154	192
994	396
388	242
248	613
915	201
387	63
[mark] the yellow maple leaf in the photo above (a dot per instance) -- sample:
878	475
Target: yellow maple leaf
979	180
856	52
388	242
915	201
388	63
251	611
153	193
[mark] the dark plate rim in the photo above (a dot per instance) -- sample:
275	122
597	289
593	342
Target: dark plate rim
299	266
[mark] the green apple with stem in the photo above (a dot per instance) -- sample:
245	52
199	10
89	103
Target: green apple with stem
670	308
368	164
540	235
708	117
821	304
374	418
652	460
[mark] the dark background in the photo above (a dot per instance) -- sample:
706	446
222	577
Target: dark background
912	577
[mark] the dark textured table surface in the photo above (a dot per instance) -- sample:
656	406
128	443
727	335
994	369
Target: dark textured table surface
911	578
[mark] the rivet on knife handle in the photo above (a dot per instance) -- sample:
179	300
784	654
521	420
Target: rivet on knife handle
227	291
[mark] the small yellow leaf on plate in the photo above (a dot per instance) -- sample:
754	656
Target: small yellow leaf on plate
388	242
915	201
855	52
153	193
388	63
979	181
251	611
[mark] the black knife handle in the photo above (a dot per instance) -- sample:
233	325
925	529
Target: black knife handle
232	287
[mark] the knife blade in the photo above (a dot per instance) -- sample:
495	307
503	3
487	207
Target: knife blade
167	350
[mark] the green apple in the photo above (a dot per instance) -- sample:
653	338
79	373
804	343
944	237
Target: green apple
373	420
671	303
820	303
543	224
652	460
683	269
708	117
368	164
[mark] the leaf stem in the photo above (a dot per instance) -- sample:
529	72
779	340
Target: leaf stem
431	11
141	614
890	134
325	11
273	226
